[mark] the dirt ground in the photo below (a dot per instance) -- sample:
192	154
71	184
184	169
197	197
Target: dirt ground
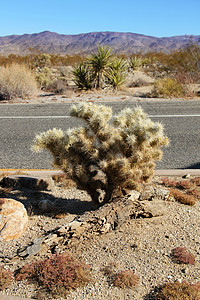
142	244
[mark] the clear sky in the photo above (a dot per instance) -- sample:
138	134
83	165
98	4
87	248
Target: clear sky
157	17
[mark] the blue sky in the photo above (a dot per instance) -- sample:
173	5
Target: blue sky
157	18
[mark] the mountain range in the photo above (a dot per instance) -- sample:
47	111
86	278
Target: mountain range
120	42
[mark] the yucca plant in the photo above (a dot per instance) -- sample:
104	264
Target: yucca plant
134	62
109	154
100	62
82	76
116	73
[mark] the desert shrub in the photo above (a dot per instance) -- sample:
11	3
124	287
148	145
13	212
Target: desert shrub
196	181
44	77
125	279
99	63
17	81
182	198
178	291
57	274
82	76
116	73
42	60
107	155
168	182
134	62
166	88
6	278
194	192
183	184
57	86
182	256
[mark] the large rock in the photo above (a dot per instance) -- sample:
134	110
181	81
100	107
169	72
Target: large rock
13	219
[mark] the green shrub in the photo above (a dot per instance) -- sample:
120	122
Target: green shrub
100	63
107	155
116	73
134	62
17	81
167	88
57	274
82	76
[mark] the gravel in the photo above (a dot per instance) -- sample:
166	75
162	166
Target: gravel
143	245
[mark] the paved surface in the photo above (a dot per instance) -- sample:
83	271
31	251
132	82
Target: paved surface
20	122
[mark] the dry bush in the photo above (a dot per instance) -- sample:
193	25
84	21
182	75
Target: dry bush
194	192
57	86
6	278
125	279
183	184
167	88
178	291
168	182
187	185
196	181
56	274
17	81
181	255
182	198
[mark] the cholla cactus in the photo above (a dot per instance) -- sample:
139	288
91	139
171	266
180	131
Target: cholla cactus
108	155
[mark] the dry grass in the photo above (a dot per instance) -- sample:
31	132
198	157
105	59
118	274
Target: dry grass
17	81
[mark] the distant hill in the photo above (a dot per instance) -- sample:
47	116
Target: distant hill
128	43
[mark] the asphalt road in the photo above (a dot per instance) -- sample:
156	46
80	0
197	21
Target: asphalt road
20	122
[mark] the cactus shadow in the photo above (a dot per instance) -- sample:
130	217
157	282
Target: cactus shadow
31	198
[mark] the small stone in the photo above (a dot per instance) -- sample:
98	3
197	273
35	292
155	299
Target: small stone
133	195
185	270
134	246
106	228
46	205
154	208
32	249
186	176
13	219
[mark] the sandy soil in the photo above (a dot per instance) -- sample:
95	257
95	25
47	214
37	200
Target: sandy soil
143	245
